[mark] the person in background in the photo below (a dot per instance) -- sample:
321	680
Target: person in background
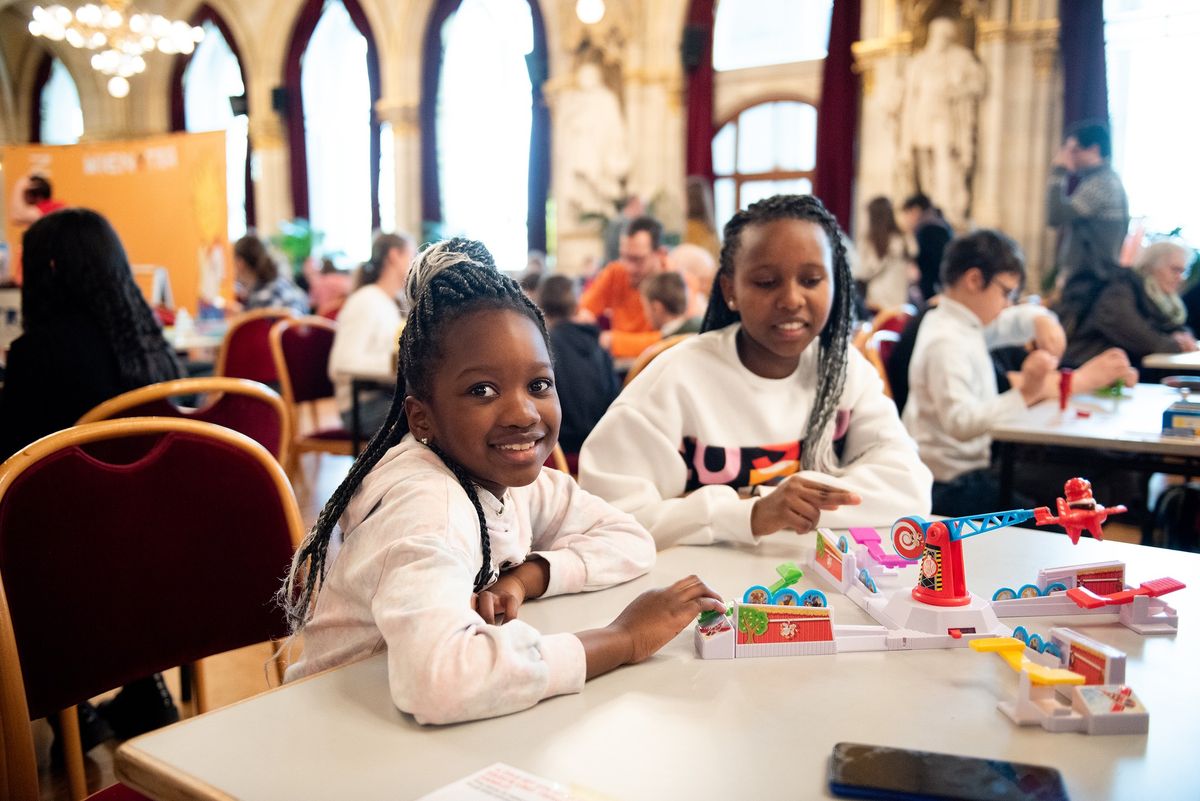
368	329
261	284
615	290
883	260
701	226
666	298
529	284
89	335
1139	310
32	199
953	398
586	381
698	268
931	234
329	288
631	208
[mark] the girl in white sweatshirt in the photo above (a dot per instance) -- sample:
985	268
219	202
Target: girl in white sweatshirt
771	394
448	522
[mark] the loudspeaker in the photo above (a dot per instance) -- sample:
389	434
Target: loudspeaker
239	105
692	47
280	99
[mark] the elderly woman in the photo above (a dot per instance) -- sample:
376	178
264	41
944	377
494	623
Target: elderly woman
1140	311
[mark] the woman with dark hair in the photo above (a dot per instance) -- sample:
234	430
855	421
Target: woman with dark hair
260	283
883	258
89	334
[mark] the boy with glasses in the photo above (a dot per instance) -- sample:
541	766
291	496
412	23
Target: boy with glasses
953	396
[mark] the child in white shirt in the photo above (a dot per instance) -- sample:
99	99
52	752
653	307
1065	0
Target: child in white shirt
773	392
448	521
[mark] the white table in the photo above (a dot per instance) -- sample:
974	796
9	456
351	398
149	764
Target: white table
677	727
1127	430
1182	362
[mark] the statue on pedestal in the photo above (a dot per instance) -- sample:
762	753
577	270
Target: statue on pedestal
594	147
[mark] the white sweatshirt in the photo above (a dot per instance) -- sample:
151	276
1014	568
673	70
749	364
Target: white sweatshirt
403	577
953	398
696	426
368	328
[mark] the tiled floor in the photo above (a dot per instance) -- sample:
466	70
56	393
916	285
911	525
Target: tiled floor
241	674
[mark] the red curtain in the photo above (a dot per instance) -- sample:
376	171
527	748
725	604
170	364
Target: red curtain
697	64
1081	41
837	117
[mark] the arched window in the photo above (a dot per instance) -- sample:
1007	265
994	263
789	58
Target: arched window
766	149
211	84
485	126
332	86
57	116
758	33
1147	46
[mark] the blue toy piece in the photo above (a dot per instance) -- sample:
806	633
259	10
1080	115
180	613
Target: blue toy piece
786	597
1004	594
1055	586
813	598
1029	591
843	544
758	594
1052	649
1021	633
1036	643
866	580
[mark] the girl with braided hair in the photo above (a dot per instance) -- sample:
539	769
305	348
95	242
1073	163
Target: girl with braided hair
768	420
448	522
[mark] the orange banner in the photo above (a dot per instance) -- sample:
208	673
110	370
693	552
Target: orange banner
165	195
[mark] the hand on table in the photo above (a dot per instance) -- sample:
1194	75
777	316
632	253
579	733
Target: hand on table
1101	371
656	616
499	603
797	504
1185	341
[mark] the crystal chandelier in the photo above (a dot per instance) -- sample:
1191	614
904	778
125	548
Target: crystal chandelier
120	35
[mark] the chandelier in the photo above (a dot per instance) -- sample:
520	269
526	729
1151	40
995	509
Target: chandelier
120	35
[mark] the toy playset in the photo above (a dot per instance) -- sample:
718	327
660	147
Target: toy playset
940	612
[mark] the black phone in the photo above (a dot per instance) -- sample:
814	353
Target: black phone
875	771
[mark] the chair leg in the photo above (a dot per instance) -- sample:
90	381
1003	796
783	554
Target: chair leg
200	687
72	749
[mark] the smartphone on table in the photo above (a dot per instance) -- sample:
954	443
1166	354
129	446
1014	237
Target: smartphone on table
874	771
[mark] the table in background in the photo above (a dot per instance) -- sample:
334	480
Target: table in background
1125	431
1173	362
680	727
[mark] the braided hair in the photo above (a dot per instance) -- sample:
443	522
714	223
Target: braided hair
447	281
834	339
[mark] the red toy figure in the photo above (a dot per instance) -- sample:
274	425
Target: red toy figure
1078	511
1064	388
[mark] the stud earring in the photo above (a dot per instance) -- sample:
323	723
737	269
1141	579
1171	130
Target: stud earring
424	440
732	305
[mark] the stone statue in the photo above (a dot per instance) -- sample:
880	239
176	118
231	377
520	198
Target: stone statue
593	144
942	88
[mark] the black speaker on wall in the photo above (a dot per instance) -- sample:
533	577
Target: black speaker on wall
280	100
692	48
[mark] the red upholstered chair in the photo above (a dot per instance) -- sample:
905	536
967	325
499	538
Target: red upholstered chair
247	406
246	349
300	347
878	350
894	319
117	568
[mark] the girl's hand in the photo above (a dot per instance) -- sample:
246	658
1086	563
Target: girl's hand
797	504
498	604
656	616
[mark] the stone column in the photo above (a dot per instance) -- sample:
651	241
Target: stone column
404	118
270	171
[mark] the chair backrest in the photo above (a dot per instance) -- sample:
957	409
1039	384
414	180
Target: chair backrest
114	571
246	349
879	347
301	347
247	406
649	353
862	332
895	318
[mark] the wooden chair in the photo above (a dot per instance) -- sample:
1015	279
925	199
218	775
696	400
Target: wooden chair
246	349
895	318
878	349
128	547
247	406
300	347
649	353
862	332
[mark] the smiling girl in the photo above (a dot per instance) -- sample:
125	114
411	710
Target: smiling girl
447	522
770	420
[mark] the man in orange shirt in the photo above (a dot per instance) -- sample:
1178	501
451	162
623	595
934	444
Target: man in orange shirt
615	290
